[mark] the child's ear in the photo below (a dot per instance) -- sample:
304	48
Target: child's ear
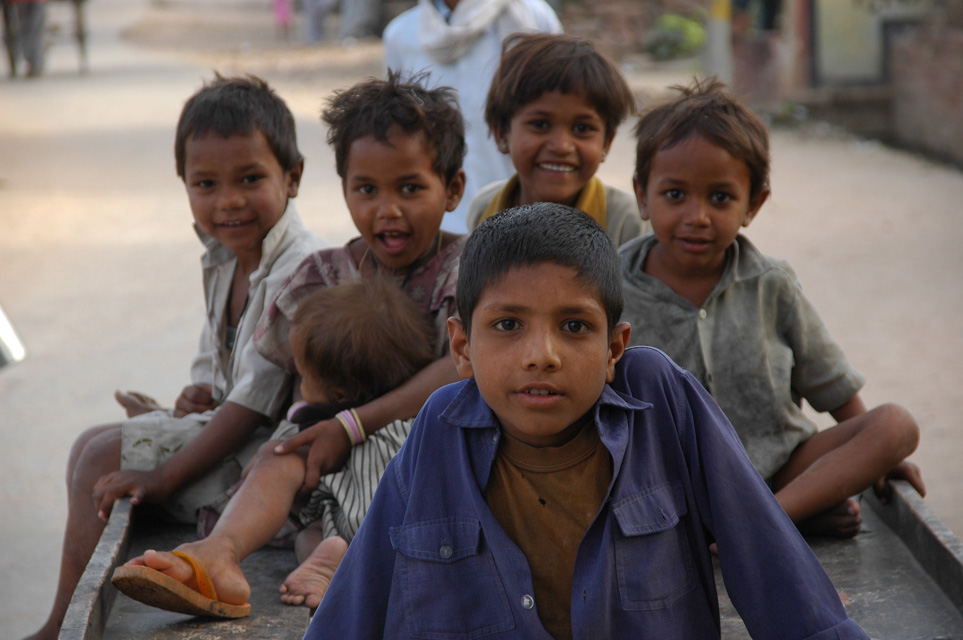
458	345
755	204
455	190
607	146
294	178
618	341
337	394
501	140
640	198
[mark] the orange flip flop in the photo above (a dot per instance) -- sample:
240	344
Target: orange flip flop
163	592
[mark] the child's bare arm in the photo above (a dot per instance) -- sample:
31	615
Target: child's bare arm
328	442
228	429
853	407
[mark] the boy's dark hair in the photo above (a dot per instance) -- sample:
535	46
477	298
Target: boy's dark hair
373	106
366	337
533	64
238	106
533	234
707	109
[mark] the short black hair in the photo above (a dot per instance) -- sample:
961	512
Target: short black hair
373	107
533	234
238	106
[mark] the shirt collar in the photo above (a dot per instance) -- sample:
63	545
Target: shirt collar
443	9
272	244
743	262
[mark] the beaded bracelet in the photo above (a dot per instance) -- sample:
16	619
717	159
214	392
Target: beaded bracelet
352	425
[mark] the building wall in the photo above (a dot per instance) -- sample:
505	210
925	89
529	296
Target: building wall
927	82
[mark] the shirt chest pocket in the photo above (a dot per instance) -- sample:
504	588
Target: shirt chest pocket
652	554
450	584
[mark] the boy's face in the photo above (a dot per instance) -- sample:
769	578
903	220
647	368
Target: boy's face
237	189
540	351
396	198
556	142
697	199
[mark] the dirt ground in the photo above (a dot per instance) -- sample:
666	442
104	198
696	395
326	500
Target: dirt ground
99	265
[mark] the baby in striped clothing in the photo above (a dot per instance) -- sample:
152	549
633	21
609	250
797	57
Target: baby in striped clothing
374	339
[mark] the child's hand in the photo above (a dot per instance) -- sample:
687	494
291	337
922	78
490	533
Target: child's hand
141	486
329	449
136	403
195	398
905	470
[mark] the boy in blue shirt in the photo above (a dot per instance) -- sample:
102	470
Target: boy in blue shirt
570	488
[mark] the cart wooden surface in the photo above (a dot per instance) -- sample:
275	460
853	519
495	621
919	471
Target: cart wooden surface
901	578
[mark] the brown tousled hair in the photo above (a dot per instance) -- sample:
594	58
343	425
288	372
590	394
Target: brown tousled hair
707	109
533	64
366	337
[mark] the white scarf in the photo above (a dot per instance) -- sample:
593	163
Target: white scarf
448	42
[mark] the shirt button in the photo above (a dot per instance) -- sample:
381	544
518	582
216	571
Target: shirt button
445	551
702	314
527	601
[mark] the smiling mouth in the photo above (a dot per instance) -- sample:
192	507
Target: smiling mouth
233	224
557	168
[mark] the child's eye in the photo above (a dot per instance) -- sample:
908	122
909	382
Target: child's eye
575	326
674	194
539	124
250	179
204	184
365	189
583	128
507	324
410	188
720	198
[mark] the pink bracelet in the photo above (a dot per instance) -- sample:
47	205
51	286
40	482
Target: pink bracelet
352	425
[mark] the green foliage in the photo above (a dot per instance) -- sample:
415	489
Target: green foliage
674	36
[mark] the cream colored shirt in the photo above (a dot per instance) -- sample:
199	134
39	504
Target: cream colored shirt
242	375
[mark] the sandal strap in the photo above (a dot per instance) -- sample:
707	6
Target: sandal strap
204	584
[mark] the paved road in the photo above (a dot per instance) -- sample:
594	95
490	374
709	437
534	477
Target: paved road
99	271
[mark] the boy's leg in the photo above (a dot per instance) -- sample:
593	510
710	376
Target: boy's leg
251	519
95	453
841	461
319	558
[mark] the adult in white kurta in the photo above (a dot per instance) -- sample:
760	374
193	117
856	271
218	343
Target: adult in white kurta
461	45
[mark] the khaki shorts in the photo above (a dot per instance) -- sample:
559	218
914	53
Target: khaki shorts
149	440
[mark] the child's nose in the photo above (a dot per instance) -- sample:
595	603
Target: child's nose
542	352
229	197
561	141
697	212
388	208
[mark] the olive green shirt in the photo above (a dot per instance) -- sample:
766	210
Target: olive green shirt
757	345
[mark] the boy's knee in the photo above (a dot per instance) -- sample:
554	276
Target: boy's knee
899	426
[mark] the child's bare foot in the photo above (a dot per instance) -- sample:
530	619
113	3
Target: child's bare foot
842	521
306	584
217	557
136	403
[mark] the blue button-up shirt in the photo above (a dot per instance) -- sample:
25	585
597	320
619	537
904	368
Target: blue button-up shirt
431	561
